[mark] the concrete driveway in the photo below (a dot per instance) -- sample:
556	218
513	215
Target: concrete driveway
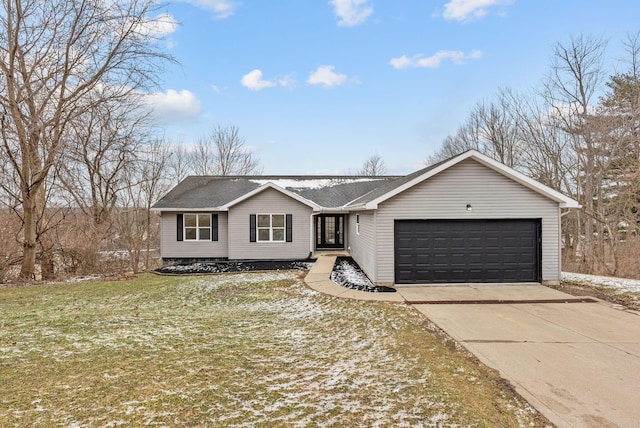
577	363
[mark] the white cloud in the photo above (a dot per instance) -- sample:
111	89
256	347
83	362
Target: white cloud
254	81
157	27
351	12
325	76
173	106
434	61
468	10
287	81
222	9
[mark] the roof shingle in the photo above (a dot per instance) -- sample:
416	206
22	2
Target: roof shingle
211	192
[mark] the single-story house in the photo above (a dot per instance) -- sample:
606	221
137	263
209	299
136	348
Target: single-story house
468	219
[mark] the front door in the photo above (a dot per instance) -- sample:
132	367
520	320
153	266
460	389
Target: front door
330	231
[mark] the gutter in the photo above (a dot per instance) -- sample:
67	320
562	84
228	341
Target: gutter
187	210
311	230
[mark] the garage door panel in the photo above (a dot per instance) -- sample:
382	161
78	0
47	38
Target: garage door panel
458	260
458	275
423	259
440	275
512	258
455	251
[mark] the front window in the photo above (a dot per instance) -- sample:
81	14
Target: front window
197	227
271	228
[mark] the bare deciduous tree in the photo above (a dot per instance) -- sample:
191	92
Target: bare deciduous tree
178	163
490	129
54	55
145	184
577	74
373	166
223	152
104	142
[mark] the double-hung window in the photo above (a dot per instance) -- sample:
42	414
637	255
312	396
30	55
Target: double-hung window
271	228
197	227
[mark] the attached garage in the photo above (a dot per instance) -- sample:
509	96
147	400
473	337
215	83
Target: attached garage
467	251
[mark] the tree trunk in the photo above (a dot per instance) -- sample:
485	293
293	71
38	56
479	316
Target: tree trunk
135	261
148	237
27	270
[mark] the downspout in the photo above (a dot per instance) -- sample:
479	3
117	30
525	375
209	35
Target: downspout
562	214
311	234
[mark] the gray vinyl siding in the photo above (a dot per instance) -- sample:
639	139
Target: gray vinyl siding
446	195
269	201
362	246
172	248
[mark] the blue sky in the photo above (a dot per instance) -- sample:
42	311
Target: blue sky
318	86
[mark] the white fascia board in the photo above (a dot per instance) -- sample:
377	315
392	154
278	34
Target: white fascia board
564	201
359	207
338	210
350	207
270	185
186	210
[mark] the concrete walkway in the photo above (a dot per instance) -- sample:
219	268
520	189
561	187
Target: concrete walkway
578	363
319	279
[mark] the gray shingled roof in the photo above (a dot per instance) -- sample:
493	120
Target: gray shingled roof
211	192
198	192
205	192
393	184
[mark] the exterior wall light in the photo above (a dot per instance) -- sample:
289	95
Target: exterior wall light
469	207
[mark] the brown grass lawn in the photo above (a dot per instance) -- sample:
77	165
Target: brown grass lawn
628	299
252	349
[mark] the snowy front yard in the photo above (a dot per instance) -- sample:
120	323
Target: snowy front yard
623	291
621	284
250	349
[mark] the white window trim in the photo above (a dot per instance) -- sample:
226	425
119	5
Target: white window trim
271	228
357	224
197	227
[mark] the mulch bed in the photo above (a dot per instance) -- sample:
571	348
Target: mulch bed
236	266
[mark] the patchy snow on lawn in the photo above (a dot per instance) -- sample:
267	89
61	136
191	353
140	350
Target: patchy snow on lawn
622	284
231	350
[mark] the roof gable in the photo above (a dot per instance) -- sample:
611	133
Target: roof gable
270	185
373	199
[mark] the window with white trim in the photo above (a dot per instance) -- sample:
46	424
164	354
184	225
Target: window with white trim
357	224
197	227
271	228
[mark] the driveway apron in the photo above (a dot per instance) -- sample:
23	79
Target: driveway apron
577	362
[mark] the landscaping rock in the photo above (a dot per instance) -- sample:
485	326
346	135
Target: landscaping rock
347	273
